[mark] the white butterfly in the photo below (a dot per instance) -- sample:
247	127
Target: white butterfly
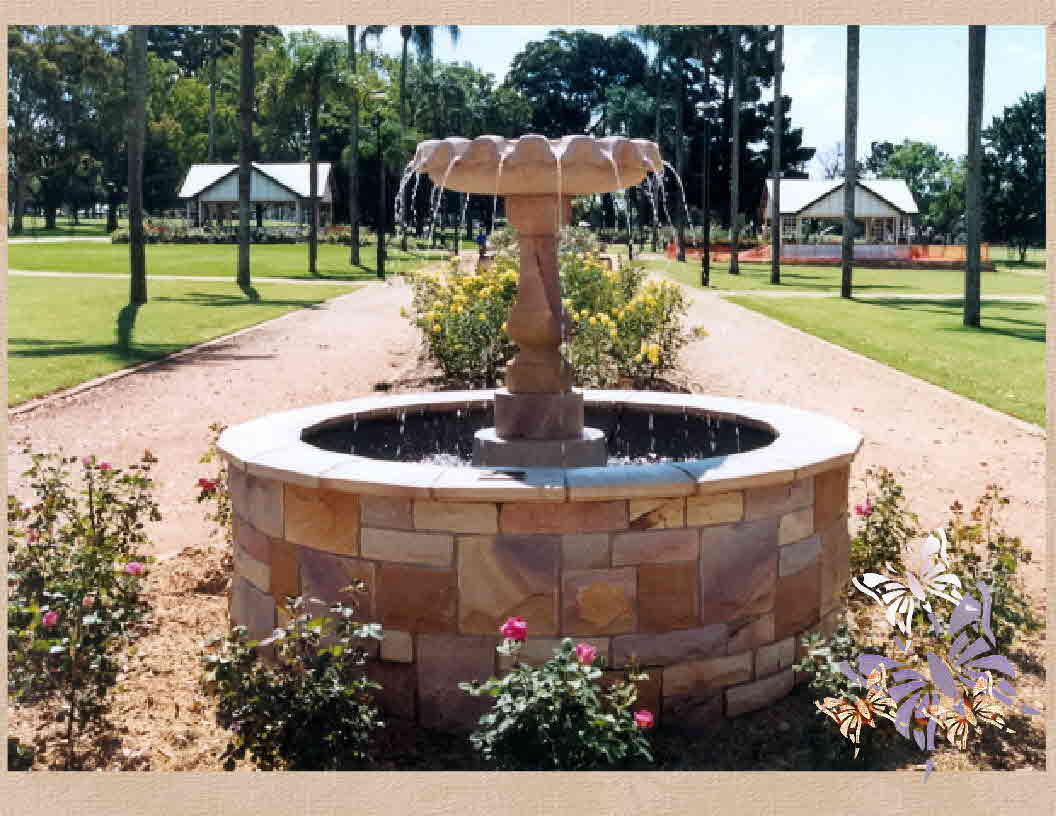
926	564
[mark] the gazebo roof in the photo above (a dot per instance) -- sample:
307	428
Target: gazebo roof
799	194
294	176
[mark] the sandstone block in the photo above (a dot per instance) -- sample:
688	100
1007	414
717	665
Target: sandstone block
397	646
398	681
668	596
705	677
796	606
738	570
432	549
256	572
537	651
503	576
668	648
769	502
775	657
795	526
799	555
750	633
647	514
830	495
416	599
716	508
385	512
565	517
835	563
250	539
456	517
761	693
324	576
260	503
443	662
585	551
250	607
599	602
655	546
322	519
285	570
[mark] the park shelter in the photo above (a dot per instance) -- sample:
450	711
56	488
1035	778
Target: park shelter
282	190
886	207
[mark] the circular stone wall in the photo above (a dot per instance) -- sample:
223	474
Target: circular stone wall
706	571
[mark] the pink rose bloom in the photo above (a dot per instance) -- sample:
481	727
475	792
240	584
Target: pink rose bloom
863	509
585	654
514	629
50	618
643	719
134	568
86	461
89	601
104	466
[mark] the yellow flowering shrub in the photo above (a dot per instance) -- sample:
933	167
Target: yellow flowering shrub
619	325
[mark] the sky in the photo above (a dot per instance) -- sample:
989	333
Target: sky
913	80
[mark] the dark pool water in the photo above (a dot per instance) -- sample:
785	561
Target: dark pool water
633	436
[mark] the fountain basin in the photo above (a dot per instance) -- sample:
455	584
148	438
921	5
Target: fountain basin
707	570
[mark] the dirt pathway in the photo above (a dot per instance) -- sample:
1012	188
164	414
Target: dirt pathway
943	447
335	351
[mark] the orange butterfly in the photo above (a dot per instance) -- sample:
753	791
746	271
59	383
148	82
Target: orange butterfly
850	716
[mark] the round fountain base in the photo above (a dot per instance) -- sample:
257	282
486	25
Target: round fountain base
492	451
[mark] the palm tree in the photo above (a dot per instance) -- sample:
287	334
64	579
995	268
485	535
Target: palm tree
658	36
735	147
137	124
973	213
850	159
353	155
219	43
315	66
779	126
247	88
422	37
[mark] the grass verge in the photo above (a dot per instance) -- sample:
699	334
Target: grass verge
1001	365
63	332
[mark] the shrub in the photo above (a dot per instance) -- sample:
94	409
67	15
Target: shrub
504	241
214	490
618	327
885	525
557	716
305	707
578	239
75	565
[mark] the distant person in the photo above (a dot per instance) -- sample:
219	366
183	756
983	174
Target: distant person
482	243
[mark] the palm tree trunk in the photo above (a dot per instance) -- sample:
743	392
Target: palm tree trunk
850	163
705	257
680	153
313	182
247	86
972	213
656	136
353	157
137	123
735	150
779	126
406	33
20	204
215	47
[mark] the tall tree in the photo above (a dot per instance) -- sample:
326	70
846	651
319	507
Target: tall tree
735	147
1013	168
973	215
779	117
422	37
137	122
315	69
850	175
246	92
353	154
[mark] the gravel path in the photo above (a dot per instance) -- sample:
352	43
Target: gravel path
335	351
944	447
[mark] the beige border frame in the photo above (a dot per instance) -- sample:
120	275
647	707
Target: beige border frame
861	794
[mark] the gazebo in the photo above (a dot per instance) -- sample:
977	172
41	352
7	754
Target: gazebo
211	191
885	205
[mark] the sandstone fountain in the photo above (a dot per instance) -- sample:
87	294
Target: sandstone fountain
704	564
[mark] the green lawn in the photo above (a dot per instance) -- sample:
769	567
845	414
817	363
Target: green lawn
33	227
214	260
870	282
1001	365
62	333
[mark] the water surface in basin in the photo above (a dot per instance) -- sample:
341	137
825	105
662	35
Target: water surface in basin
633	435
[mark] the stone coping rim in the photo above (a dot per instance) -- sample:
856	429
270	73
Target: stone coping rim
806	443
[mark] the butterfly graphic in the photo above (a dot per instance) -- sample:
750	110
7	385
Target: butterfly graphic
850	715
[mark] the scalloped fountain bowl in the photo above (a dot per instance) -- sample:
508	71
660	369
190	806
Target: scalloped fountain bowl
707	570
